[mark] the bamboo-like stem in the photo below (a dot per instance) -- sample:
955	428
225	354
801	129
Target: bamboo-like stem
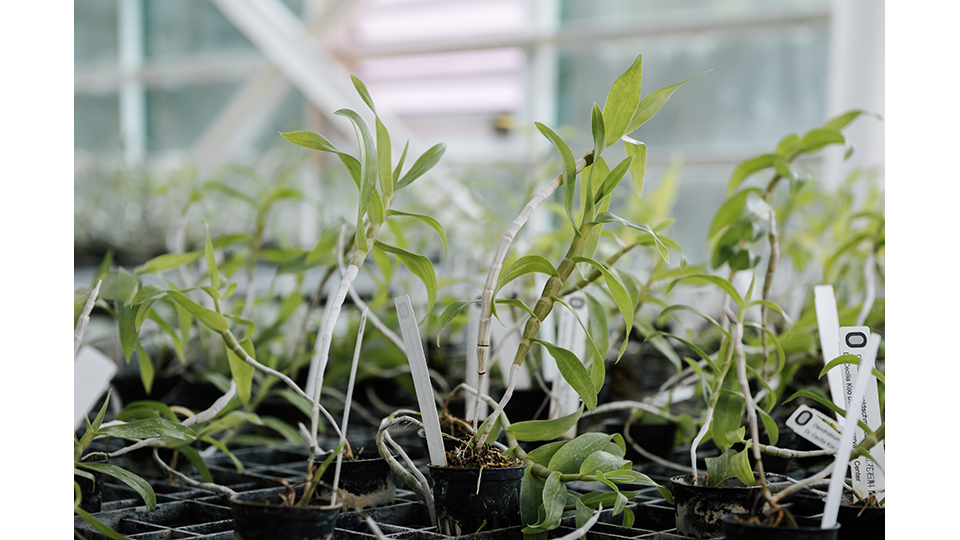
595	274
772	263
486	305
85	317
541	310
789	453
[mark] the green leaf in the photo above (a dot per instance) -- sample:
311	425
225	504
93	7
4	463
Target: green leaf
545	452
613	179
127	328
135	482
211	319
433	223
597	128
96	524
568	458
849	359
730	463
716	280
237	464
841	121
544	430
364	93
399	167
149	428
619	293
525	265
607	217
241	371
531	497
787	145
569	171
368	171
103	411
424	163
574	372
120	286
197	461
384	159
750	166
452	311
732	210
420	266
602	462
816	139
638	167
598	357
622	102
165	262
727	417
554	499
146	367
653	102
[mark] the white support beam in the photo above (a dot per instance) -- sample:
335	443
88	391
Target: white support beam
133	103
284	40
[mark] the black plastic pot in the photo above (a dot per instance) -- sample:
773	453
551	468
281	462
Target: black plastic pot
807	529
858	522
262	516
471	499
91	493
699	507
367	482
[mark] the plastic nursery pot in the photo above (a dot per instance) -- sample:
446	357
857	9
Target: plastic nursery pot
91	493
470	499
859	522
699	507
807	529
263	516
364	483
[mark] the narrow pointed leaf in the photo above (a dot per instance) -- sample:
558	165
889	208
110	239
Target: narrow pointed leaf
420	266
424	163
816	139
210	319
849	359
622	102
716	280
364	93
544	430
653	102
638	167
384	160
433	223
619	293
568	458
150	428
751	166
569	171
574	372
368	171
527	264
607	217
241	371
165	262
141	486
613	179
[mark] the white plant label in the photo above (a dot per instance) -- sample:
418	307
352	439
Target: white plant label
867	476
92	373
828	325
815	427
570	336
421	380
471	376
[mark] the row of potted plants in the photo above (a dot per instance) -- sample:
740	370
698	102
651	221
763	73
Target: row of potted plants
257	349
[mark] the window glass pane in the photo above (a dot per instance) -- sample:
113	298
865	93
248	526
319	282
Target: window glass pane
96	123
94	31
178	116
179	27
764	84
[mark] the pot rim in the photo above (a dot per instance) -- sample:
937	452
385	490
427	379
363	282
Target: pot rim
236	499
732	518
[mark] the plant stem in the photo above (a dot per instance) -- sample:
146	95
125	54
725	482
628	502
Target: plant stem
216	488
85	317
486	305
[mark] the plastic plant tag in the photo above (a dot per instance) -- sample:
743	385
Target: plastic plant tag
828	324
421	380
840	462
92	373
815	427
857	340
570	336
469	401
